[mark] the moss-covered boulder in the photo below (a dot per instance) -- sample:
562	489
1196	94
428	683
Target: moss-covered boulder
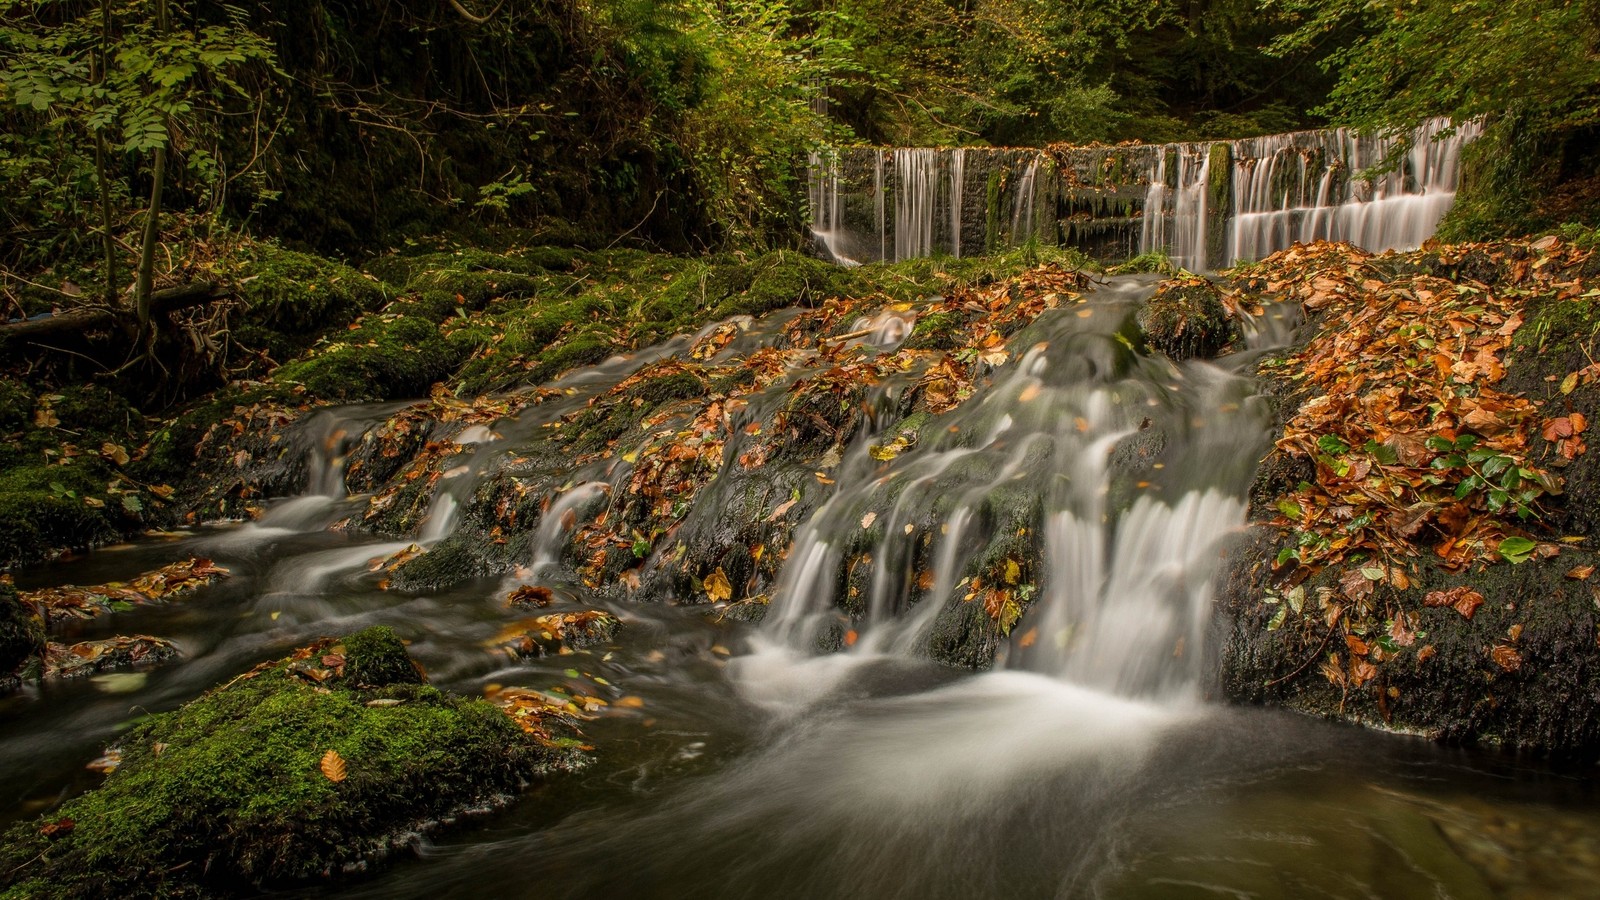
311	766
1186	319
21	633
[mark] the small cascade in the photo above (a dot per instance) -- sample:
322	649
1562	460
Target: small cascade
1022	224
827	218
1190	222
1123	473
1207	204
958	192
879	205
916	174
1153	228
558	523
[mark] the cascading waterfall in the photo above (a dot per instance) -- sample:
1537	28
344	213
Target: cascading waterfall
1190	223
1153	228
958	185
1306	187
916	199
1206	204
1053	450
1022	204
827	217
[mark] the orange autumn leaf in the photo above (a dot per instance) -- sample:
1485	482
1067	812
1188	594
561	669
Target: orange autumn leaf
333	767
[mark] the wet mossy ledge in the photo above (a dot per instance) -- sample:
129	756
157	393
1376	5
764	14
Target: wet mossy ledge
312	767
1422	556
87	464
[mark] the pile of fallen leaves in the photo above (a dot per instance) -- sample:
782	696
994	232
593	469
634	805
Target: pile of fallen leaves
825	367
1416	450
122	652
549	719
556	633
1413	445
71	603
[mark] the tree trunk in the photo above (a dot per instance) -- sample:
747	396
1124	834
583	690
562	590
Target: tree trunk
107	240
152	222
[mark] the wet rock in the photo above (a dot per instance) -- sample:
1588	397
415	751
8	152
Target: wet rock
21	634
1522	672
90	657
275	778
1186	319
558	632
70	603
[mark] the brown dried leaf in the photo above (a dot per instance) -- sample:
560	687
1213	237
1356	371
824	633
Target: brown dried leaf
717	587
1506	658
1463	599
333	767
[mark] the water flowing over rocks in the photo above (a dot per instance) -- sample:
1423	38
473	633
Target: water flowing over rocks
1207	205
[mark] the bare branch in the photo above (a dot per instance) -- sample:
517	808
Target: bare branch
476	20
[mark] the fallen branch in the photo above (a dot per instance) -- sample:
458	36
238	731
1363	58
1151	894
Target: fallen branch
93	318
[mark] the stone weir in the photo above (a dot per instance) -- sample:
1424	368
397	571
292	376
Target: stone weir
1207	204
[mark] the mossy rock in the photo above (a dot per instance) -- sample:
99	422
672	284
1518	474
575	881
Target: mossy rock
16	406
936	331
44	509
1186	320
276	778
21	632
388	357
291	297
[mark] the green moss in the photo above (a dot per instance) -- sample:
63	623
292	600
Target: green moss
1559	325
292	297
230	789
45	508
936	331
786	279
16	405
1156	262
21	632
389	356
375	658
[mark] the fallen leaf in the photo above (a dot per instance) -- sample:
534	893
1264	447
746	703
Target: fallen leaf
1463	599
717	586
333	767
1506	658
783	507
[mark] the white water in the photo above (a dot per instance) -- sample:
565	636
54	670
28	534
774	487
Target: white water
1282	189
916	172
1124	598
827	216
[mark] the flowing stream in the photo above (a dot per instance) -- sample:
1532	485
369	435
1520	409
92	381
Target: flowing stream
1087	763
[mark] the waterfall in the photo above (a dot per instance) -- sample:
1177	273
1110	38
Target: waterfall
916	195
878	205
1153	225
1022	204
1206	203
958	185
827	217
1128	547
1308	186
1190	222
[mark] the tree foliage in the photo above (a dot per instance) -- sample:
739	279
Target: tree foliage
1462	58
